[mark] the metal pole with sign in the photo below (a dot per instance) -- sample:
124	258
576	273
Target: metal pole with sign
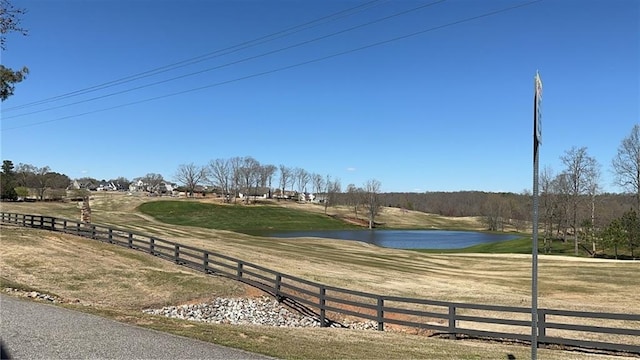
537	140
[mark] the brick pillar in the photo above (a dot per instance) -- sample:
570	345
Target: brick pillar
85	211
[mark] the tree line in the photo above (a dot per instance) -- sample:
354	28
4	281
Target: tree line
26	178
572	205
236	175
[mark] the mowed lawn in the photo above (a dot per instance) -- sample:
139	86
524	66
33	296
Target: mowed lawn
239	218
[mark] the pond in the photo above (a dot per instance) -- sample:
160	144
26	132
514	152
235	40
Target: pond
404	239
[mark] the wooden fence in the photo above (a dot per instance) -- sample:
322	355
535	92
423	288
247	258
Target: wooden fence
591	330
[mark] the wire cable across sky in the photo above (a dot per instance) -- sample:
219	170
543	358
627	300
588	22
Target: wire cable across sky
208	56
288	67
289	47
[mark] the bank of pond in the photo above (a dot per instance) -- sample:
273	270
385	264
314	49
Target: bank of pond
402	239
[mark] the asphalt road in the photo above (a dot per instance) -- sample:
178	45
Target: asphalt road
31	330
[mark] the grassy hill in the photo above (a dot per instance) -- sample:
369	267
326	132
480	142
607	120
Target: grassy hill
81	269
240	218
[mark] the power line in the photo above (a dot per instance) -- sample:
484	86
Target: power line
217	53
306	42
379	43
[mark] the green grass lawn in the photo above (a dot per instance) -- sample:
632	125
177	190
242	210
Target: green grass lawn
240	218
254	219
521	245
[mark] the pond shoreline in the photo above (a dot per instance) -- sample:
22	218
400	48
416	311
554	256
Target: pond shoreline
400	239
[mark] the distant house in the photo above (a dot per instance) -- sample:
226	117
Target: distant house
278	194
259	192
75	184
79	184
165	188
138	185
319	198
106	186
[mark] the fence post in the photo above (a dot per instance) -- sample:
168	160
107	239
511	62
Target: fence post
176	253
323	302
130	241
380	313
542	325
277	290
93	231
151	246
205	261
53	224
452	322
239	275
64	225
110	235
77	228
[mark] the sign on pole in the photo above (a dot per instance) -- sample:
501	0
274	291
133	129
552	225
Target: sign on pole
538	108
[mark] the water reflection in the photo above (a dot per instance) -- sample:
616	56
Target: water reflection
403	239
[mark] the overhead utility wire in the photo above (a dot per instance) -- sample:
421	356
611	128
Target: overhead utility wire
230	63
457	22
204	57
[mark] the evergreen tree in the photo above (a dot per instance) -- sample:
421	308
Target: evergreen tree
7	181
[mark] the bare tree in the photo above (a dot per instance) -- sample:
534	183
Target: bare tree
626	164
593	189
301	179
333	188
581	169
546	205
221	177
41	179
24	174
235	163
191	175
318	183
152	182
250	176
285	178
495	210
266	176
354	197
372	202
561	189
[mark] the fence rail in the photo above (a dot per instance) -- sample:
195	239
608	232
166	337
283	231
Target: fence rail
594	330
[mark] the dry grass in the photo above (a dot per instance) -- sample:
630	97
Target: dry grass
565	282
117	283
100	274
396	218
92	272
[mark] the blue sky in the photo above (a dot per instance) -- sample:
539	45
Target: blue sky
447	109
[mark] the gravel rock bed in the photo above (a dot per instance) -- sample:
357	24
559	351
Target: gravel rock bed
244	311
33	295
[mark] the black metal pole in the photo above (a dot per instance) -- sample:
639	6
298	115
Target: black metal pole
534	251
